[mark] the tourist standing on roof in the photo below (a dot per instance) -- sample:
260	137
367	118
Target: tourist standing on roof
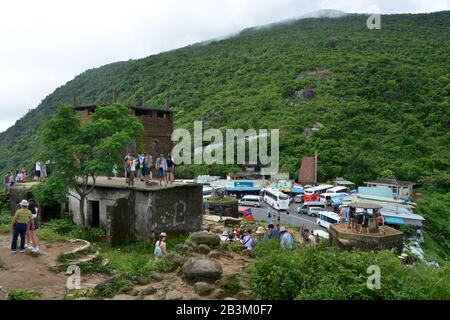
161	167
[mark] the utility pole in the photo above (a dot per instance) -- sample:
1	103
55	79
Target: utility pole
315	166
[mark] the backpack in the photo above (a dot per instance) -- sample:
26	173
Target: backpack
158	251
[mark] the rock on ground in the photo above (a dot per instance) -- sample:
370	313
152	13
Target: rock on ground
173	295
203	249
204	237
202	269
203	288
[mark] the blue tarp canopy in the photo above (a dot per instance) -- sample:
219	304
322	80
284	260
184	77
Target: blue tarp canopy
393	220
240	189
297	190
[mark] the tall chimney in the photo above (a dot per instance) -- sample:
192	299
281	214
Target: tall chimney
74	101
144	99
114	95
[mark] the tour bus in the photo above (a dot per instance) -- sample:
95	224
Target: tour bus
313	193
276	199
251	201
328	198
207	192
327	218
338	189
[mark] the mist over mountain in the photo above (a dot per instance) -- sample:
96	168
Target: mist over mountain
368	100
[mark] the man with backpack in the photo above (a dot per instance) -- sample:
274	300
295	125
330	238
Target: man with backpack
287	241
247	241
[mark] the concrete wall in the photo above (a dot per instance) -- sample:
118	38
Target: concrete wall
142	214
373	241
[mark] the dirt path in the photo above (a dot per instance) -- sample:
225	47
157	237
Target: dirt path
21	270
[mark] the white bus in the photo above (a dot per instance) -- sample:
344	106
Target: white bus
207	192
338	189
313	193
276	199
327	218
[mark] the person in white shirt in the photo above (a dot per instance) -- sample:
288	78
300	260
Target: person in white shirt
133	163
37	172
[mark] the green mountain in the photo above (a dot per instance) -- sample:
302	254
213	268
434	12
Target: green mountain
378	99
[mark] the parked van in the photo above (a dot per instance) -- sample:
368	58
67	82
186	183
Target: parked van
251	201
305	207
326	218
276	199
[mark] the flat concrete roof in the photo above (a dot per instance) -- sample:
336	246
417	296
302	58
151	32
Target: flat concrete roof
120	183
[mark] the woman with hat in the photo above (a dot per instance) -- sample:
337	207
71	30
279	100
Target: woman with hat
261	233
32	229
21	221
160	246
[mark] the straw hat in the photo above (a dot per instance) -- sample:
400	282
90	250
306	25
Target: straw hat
225	233
283	229
163	234
24	203
260	230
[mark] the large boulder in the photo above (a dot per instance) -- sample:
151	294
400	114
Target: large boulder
174	261
203	249
204	237
202	269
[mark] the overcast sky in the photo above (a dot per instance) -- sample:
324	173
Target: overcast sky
45	43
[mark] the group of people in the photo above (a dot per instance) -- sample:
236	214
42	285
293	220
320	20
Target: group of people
307	236
25	224
41	171
141	167
357	221
248	241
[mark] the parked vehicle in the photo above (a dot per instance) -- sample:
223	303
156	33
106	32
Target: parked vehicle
251	201
327	218
305	207
328	198
246	213
313	193
314	211
298	198
207	192
276	199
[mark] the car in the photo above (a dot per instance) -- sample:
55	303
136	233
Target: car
309	204
298	198
253	201
314	211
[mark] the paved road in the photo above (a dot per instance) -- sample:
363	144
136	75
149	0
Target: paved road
293	218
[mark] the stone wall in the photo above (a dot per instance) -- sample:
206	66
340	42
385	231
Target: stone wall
143	213
340	237
21	191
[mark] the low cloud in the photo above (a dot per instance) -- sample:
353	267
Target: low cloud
46	43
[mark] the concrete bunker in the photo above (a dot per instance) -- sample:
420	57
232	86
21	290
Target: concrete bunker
142	212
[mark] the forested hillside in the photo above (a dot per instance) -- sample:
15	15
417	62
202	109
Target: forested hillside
380	98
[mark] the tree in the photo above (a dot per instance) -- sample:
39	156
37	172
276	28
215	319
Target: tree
80	152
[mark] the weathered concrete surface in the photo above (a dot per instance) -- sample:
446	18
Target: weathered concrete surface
21	191
344	238
142	212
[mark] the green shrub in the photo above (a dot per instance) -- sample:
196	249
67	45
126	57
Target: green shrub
329	273
5	217
408	231
22	294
